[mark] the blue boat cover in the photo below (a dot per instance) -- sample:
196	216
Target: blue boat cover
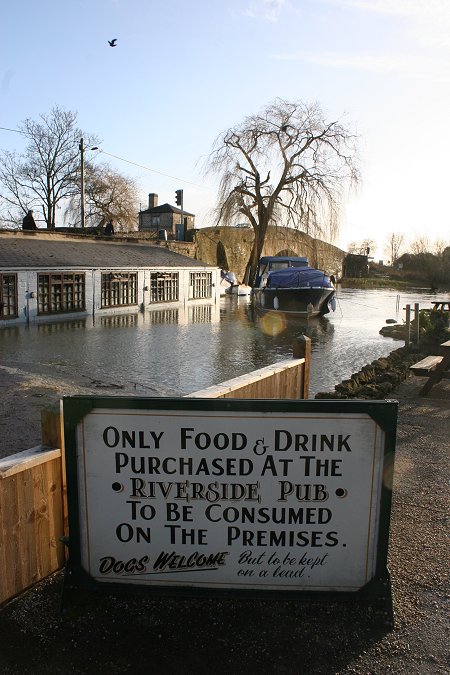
298	277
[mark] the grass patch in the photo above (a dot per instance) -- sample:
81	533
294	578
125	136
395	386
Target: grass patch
374	282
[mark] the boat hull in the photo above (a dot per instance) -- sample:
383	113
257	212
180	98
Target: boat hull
293	301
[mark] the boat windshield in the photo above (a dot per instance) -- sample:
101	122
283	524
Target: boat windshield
274	265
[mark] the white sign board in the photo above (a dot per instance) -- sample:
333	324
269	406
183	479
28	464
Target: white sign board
229	498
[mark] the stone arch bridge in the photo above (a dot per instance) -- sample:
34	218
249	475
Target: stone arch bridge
230	247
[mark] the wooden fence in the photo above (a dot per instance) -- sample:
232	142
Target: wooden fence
284	380
31	519
33	509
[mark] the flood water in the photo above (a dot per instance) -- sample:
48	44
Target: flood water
175	351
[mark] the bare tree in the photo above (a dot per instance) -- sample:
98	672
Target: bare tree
394	242
48	171
420	244
108	194
14	196
286	165
362	248
439	247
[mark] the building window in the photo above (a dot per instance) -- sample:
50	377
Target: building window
163	286
60	293
119	288
155	221
8	296
200	284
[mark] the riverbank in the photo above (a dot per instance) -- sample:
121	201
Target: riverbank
378	282
138	635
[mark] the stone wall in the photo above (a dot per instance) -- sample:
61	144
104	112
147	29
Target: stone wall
378	379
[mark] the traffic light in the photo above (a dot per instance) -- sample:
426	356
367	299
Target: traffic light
179	197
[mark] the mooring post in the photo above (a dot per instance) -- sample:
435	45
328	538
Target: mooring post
301	349
408	326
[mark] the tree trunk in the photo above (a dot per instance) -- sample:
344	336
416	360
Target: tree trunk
257	248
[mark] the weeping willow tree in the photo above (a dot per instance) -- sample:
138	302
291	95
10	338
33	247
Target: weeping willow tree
286	165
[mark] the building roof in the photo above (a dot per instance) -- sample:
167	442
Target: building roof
25	252
166	208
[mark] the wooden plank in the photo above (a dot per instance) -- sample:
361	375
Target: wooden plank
51	431
26	531
31	524
26	460
302	349
277	381
44	515
56	515
427	364
10	574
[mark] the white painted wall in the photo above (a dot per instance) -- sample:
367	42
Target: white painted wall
27	293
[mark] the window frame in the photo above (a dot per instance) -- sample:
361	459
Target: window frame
200	285
64	293
118	289
164	287
12	299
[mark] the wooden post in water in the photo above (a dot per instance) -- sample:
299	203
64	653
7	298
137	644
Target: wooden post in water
408	326
302	350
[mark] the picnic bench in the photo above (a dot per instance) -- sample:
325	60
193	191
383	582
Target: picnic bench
434	367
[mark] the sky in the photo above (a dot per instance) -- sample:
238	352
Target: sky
184	71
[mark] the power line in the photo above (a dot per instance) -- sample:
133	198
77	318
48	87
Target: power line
16	131
128	161
147	168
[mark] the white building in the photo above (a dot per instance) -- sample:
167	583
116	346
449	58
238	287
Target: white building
45	275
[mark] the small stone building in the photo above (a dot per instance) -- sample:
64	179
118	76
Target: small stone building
356	265
166	221
46	276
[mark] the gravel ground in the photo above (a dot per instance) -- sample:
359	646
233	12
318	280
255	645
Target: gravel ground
113	634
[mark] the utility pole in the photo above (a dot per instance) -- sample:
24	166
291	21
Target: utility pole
82	199
83	214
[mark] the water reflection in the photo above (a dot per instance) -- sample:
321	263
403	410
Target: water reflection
167	316
200	314
122	320
56	328
178	350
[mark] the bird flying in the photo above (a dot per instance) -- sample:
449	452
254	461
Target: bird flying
113	43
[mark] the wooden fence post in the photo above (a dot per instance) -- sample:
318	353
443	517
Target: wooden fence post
301	349
417	326
408	326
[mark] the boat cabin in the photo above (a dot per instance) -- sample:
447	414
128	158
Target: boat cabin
271	263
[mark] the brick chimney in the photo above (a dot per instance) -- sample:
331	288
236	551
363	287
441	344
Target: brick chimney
152	200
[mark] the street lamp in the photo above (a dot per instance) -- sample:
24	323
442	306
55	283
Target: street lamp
82	149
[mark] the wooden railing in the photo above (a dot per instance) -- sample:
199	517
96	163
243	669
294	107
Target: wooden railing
33	511
284	380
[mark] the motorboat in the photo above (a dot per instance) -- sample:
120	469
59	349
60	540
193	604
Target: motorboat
288	284
227	281
231	286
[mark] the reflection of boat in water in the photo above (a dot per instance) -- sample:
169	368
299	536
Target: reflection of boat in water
287	284
241	290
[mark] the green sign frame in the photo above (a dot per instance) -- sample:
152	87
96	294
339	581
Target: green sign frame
76	410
